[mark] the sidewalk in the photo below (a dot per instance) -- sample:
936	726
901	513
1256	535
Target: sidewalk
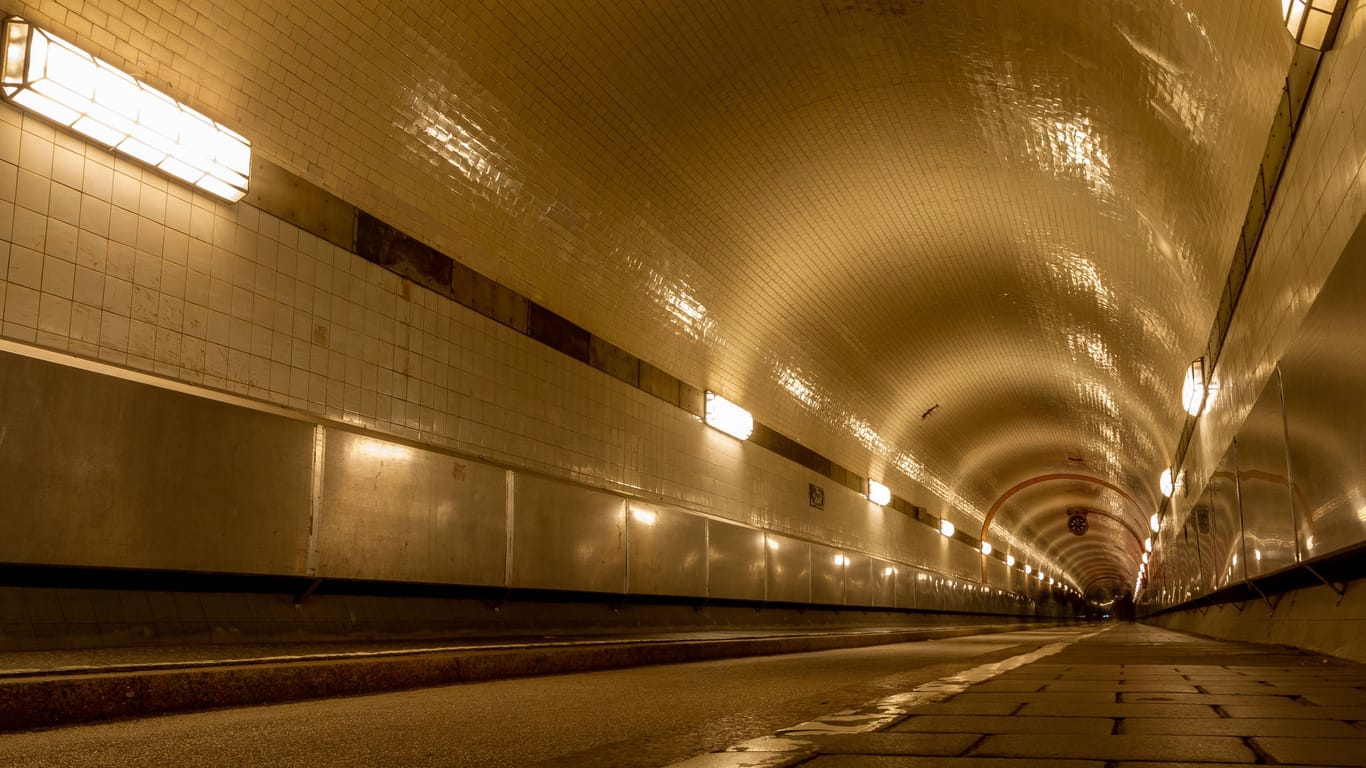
1130	696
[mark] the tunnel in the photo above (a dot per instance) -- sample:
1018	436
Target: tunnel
353	349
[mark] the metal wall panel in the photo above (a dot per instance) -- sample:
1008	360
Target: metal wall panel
394	512
858	579
735	562
789	570
907	581
930	592
827	575
883	587
1324	377
102	471
1226	534
1264	484
567	537
667	551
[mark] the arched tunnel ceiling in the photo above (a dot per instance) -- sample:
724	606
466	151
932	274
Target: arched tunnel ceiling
839	213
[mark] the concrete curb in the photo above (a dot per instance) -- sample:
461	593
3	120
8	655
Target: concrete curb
46	701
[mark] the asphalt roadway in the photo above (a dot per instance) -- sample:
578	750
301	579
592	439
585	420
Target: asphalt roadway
646	716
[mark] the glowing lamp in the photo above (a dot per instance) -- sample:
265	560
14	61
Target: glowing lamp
1028	569
986	548
1313	23
1148	544
53	78
1166	485
1010	560
879	494
728	417
946	528
1155	523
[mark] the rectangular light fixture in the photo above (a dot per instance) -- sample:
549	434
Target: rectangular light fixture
53	78
728	417
1313	23
879	494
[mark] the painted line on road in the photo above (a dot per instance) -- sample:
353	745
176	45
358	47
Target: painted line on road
789	746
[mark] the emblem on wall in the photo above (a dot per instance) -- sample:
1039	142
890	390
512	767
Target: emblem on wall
816	495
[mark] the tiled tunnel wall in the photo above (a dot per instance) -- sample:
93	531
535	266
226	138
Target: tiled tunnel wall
103	261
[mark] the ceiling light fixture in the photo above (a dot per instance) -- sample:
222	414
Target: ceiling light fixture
1010	561
946	528
986	548
1148	544
1313	23
1155	523
1197	390
53	78
1166	485
1028	569
728	417
879	494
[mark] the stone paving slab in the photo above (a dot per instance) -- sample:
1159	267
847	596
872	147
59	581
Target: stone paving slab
1241	727
983	725
1148	709
887	743
1208	699
1115	748
1073	697
1295	711
873	761
1352	699
1127	764
1336	752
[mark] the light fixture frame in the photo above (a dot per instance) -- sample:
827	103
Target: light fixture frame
48	76
1312	23
726	416
879	494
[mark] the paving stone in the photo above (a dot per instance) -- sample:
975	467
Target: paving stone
1164	764
975	708
1296	711
1239	727
1242	689
1146	747
941	724
1008	686
873	761
1117	710
1352	699
887	743
1345	752
1073	697
1201	698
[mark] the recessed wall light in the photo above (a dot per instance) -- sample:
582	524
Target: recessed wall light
728	417
879	494
946	528
53	78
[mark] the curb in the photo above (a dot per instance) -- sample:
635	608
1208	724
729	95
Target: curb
52	700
